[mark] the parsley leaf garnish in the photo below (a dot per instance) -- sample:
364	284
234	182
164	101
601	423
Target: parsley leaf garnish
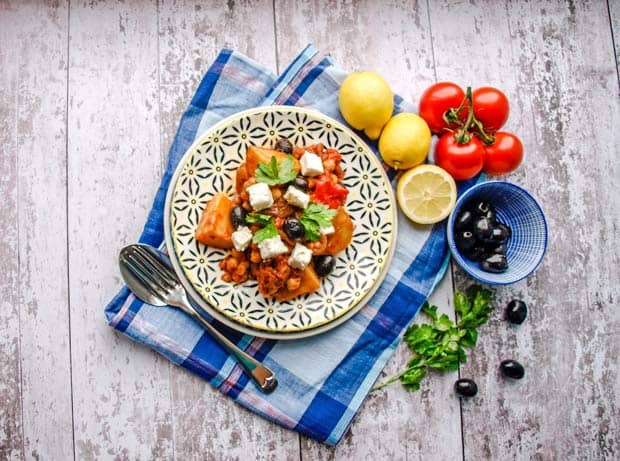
440	345
273	173
258	218
315	216
267	232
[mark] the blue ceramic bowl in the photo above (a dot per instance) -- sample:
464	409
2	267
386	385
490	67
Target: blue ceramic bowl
519	210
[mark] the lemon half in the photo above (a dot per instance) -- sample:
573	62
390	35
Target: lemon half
426	194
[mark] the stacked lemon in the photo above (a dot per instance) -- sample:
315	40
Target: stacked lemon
426	193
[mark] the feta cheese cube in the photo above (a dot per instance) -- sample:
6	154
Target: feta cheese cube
260	196
300	257
327	230
270	248
241	238
296	197
311	164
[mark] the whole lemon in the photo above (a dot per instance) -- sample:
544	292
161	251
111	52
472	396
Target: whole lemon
366	102
405	141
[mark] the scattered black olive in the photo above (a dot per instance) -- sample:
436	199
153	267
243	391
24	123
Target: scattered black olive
284	145
512	369
483	228
516	311
466	387
293	228
464	240
237	216
463	220
324	264
486	210
495	263
301	183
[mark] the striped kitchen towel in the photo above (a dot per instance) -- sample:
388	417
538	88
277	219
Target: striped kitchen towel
322	379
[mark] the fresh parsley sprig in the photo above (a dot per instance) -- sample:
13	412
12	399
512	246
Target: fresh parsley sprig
315	216
258	218
267	232
440	345
269	227
273	173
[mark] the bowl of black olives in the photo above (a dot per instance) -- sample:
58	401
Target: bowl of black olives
497	232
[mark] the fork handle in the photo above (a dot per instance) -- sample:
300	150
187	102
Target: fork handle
262	376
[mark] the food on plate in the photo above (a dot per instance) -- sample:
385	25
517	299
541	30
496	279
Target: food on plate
516	311
426	194
481	237
436	100
512	369
491	107
366	102
287	221
405	141
466	387
504	155
215	227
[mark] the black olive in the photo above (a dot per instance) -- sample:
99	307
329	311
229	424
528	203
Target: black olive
293	228
237	216
516	311
512	369
464	240
300	183
496	249
463	220
476	253
501	233
485	209
284	145
495	263
324	264
483	228
466	387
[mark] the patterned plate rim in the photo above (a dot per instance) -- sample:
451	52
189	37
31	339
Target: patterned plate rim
231	322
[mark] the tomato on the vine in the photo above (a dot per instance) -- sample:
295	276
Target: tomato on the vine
436	100
490	107
461	160
504	155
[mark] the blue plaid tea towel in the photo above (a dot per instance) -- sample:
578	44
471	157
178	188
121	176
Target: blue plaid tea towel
323	379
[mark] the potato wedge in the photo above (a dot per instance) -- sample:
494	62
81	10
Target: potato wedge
261	154
309	283
342	236
215	228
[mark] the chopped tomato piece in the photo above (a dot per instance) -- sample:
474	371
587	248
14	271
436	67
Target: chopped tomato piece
332	195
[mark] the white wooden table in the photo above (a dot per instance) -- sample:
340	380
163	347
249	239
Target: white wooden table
92	91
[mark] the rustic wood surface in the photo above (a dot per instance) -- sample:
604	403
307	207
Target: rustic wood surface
92	91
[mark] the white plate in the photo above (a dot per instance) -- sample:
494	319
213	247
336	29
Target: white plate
209	167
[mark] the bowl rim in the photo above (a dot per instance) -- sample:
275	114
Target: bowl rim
450	232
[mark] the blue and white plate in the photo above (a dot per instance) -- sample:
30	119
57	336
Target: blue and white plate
209	167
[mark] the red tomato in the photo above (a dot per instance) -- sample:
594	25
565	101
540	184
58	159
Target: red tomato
490	107
462	161
436	100
332	195
504	155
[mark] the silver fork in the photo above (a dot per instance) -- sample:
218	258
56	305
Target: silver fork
153	281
